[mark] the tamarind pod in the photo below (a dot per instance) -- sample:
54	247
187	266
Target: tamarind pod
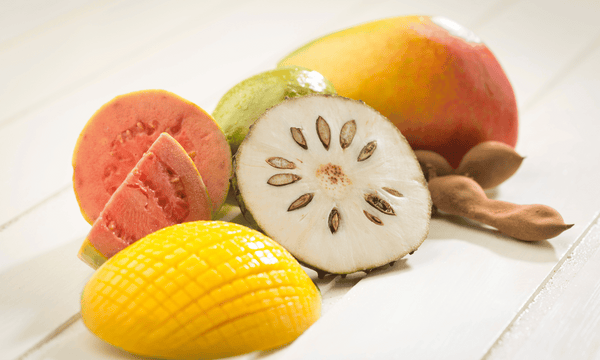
530	222
463	196
433	164
490	163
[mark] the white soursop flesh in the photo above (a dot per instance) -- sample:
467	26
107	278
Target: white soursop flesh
335	183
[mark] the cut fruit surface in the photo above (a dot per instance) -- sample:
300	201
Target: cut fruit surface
334	182
200	290
117	135
163	189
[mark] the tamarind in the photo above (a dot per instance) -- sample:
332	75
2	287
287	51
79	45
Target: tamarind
463	196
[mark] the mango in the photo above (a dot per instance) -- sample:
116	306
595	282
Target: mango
433	78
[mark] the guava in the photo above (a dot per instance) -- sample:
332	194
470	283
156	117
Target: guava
163	189
117	135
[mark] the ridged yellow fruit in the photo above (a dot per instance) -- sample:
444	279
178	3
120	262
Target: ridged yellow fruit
204	289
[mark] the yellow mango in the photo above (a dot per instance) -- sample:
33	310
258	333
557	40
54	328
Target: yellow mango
432	77
204	289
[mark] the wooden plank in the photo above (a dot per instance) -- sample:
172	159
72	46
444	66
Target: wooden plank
80	49
40	275
447	301
562	320
536	40
22	19
570	329
38	295
574	99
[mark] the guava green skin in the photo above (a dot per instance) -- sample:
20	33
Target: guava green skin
245	102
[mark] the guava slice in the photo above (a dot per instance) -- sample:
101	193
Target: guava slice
334	182
163	189
117	135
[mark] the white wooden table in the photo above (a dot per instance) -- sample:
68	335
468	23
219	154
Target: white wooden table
466	294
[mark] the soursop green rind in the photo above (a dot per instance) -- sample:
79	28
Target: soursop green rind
240	106
240	201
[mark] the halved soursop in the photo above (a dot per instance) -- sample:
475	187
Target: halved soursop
334	182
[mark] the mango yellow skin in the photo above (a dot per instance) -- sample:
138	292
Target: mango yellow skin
197	290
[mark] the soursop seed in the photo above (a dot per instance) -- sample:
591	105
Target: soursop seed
334	220
367	151
347	133
283	179
379	204
280	163
298	137
373	218
301	202
324	132
392	191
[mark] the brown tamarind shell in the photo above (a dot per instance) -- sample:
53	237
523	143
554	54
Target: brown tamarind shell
463	196
490	163
433	164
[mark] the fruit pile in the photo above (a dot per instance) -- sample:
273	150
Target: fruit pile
338	157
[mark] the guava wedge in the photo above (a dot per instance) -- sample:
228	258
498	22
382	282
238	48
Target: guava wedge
163	189
117	135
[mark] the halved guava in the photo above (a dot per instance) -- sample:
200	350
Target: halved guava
163	189
117	135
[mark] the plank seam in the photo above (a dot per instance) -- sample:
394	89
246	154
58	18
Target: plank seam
60	329
548	285
14	220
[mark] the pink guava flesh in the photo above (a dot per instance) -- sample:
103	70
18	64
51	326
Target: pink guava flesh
115	138
163	189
